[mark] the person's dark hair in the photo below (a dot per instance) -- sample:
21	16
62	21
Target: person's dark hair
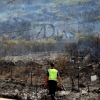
52	64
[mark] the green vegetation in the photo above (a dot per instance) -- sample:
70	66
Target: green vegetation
64	17
77	1
69	2
80	36
19	47
16	13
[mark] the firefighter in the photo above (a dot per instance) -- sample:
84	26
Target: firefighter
53	80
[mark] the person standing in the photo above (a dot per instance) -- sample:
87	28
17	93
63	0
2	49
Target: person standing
51	79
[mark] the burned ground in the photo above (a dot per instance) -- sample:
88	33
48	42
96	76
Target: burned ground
23	80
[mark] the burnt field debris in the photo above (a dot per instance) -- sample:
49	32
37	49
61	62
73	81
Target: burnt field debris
23	80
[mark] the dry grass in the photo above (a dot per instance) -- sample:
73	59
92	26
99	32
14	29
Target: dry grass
61	64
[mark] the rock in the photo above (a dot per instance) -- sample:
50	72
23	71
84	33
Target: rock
17	91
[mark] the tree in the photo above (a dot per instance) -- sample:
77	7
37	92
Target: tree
12	46
50	45
72	49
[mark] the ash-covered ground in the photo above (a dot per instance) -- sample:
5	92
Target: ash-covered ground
23	79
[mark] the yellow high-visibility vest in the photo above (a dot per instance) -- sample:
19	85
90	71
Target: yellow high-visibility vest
52	74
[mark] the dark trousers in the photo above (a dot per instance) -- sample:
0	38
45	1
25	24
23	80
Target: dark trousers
52	85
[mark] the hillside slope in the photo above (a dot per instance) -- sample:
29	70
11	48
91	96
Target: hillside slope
17	15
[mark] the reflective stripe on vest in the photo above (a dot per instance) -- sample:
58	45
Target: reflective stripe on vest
52	74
